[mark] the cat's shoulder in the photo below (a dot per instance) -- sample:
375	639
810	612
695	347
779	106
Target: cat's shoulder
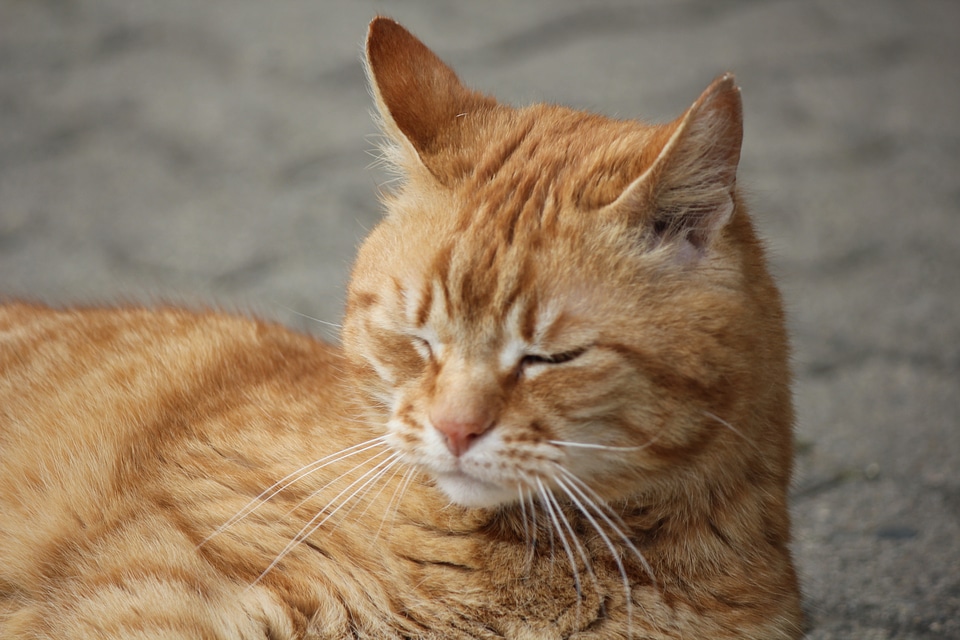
98	334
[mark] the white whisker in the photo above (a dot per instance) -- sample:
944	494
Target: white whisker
313	524
396	470
371	483
397	496
523	514
579	546
550	507
611	519
292	478
601	447
311	318
569	491
732	428
529	528
534	521
313	494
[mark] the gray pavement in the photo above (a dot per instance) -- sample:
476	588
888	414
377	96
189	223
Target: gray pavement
217	152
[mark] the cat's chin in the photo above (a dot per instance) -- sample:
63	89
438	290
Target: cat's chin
467	491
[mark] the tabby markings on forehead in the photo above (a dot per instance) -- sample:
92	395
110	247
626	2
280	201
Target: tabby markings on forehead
514	346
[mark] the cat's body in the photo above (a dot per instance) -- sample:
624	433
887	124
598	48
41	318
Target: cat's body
562	409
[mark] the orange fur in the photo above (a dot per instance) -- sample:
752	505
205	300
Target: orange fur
561	409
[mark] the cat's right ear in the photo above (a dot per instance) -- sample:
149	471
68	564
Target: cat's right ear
688	193
419	98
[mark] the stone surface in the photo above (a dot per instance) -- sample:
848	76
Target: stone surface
218	152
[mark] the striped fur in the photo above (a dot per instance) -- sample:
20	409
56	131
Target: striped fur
561	409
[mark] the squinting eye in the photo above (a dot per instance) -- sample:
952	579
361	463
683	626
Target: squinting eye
555	358
423	347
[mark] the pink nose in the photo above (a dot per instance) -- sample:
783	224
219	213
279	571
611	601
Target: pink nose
461	434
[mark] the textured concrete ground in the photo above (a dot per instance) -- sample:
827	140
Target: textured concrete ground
216	151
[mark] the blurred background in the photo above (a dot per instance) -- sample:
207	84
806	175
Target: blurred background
218	153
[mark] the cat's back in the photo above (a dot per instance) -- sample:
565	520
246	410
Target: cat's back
102	375
117	430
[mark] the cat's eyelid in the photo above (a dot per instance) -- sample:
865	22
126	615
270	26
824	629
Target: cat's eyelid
426	334
559	357
426	343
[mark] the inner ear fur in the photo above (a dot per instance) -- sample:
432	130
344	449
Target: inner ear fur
420	99
687	193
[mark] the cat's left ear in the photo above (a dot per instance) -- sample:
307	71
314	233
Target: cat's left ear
419	98
687	195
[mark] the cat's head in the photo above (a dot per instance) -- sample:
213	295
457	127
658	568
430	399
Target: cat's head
554	294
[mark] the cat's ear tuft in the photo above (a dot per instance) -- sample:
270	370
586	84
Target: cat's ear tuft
687	195
419	98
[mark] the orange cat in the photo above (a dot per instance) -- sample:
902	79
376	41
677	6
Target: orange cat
561	409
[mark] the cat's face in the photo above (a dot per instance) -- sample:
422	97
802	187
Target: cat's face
486	352
551	300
